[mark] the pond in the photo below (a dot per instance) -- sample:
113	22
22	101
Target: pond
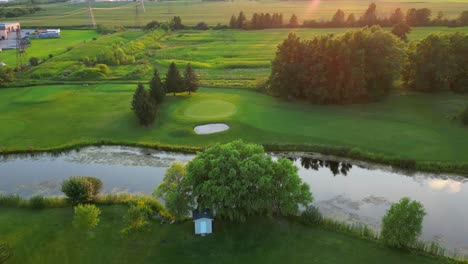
351	191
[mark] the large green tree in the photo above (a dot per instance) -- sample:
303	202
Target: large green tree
401	30
143	105
190	79
157	90
174	82
175	191
237	180
402	224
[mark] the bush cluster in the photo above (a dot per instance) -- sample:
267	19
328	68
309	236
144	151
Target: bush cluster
311	216
81	189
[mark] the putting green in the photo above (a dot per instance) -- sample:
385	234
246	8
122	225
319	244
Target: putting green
210	109
10	128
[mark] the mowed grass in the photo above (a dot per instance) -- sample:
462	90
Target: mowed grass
47	236
123	14
422	127
41	48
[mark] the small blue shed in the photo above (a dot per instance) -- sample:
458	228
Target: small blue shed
203	221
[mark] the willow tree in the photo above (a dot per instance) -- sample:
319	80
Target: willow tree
238	180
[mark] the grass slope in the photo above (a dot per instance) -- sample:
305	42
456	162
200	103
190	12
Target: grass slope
419	126
220	12
47	236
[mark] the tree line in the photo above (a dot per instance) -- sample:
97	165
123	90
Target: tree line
412	17
145	103
362	66
18	11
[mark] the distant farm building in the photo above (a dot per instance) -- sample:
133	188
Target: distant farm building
47	33
7	27
203	222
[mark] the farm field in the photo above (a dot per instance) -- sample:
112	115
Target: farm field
421	127
47	236
75	14
222	58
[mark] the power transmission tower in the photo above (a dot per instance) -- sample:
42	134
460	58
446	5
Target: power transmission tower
91	20
20	50
139	10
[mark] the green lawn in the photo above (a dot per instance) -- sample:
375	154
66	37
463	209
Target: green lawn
41	48
420	126
47	236
60	14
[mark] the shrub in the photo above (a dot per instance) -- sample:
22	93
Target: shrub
402	224
464	116
103	68
86	217
34	61
81	189
137	217
5	252
201	26
37	202
87	74
311	216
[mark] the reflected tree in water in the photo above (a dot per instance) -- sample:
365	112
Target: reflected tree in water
335	167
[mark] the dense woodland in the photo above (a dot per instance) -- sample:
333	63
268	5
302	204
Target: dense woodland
362	66
357	66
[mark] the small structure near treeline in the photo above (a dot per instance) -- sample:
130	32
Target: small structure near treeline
203	221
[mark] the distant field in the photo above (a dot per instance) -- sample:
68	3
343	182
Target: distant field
75	14
420	126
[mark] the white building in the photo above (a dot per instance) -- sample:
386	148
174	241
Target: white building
7	27
203	221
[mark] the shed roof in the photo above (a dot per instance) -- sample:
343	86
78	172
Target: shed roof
206	213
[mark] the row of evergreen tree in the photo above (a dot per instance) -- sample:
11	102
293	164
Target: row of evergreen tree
362	66
412	17
145	103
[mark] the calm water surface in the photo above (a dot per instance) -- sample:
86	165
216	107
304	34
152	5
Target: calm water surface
356	193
